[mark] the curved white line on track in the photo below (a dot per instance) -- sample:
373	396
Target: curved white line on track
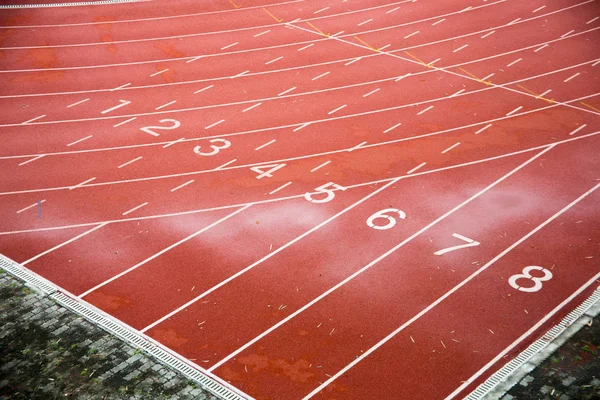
302	195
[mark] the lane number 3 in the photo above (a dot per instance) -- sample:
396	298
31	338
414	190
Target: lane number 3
526	275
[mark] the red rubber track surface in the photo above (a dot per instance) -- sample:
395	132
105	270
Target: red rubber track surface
310	199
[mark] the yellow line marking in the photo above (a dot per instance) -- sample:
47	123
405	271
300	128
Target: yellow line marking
473	76
589	106
365	43
537	96
233	4
276	19
317	29
418	59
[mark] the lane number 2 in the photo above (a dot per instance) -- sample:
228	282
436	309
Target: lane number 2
219	144
526	275
385	215
326	189
150	129
468	243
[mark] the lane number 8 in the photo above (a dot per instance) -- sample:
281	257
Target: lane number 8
384	215
512	281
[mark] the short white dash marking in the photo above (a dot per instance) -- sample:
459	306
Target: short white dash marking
411	34
82	183
571	77
539	9
306	47
543	94
320	76
75	104
286	91
193	59
321	10
215	124
262	33
172	143
483	129
166	105
33	159
130	162
415	168
120	87
337	109
31	206
80	140
358	146
540	48
365	22
568	33
392	127
433	62
514	21
353	61
592	20
438	22
265	145
383	47
514	62
160	72
577	130
226	164
451	147
251	107
457	93
320	166
514	111
229	45
425	110
122	103
124	122
460	48
336	34
392	10
33	119
466	9
182	185
135	208
240	74
596	63
301	127
402	77
202	90
488	34
273	60
281	187
371	92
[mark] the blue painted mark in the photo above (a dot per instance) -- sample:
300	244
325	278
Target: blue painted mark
39	209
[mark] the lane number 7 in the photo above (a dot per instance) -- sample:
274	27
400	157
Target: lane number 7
469	243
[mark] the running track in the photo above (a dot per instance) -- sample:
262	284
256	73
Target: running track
310	199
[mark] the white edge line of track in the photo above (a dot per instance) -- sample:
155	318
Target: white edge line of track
133	337
74	4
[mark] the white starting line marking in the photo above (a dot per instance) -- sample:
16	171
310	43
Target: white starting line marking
514	111
483	129
202	90
215	124
337	109
540	48
79	102
538	9
438	22
451	147
320	76
33	119
320	166
262	33
173	142
301	126
306	47
82	183
365	22
577	130
193	59
393	127
592	20
226	164
353	61
123	104
415	168
571	77
514	62
281	187
229	45
371	92
488	34
166	105
160	72
80	140
124	122
411	34
322	9
251	107
425	110
182	185
120	87
33	159
568	33
287	91
31	206
392	10
273	60
460	48
265	145
129	162
135	208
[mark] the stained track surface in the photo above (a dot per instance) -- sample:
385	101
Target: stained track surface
310	199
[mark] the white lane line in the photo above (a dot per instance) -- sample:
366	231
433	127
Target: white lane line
514	62
123	103
182	185
365	268
433	62
65	243
301	127
592	20
229	45
287	91
425	110
337	109
571	77
271	254
411	34
33	119
31	206
487	76
539	8
166	105
82	183
120	87
457	93
539	323
596	63
80	140
403	76
514	21
514	111
251	107
540	48
163	251
160	72
265	145
273	60
135	208
320	76
215	124
240	74
358	146
416	168
451	147
577	130
465	9
33	159
383	47
365	22
262	33
438	22
392	10
460	48
124	122
226	164
173	142
568	33
130	162
203	89
488	34
75	104
306	47
352	61
322	9
371	92
193	59
320	166
392	127
281	187
483	129
543	94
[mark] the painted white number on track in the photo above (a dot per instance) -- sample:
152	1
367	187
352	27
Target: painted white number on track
383	214
537	281
469	243
224	144
150	129
269	173
325	189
